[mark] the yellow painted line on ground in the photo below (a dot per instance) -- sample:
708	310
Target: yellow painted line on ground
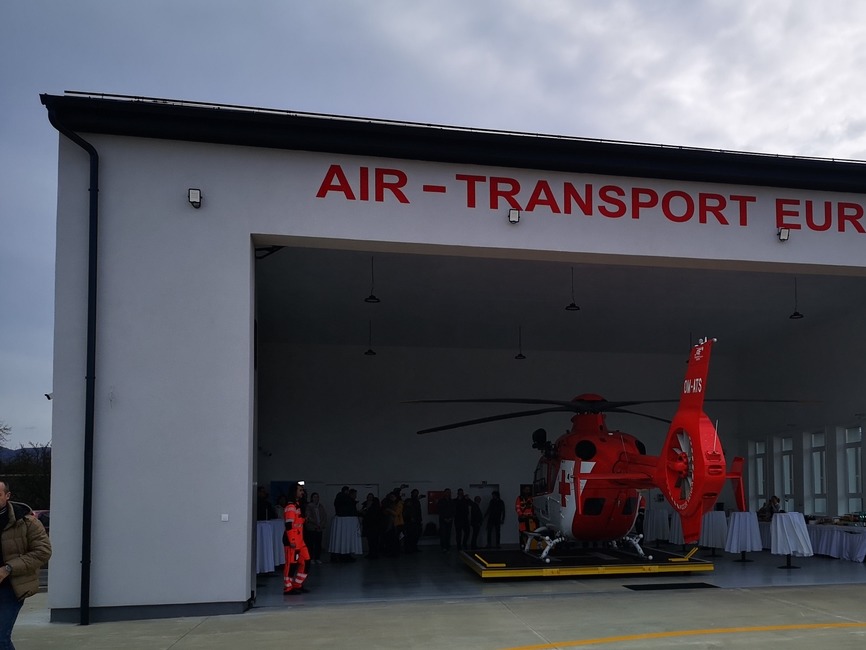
679	633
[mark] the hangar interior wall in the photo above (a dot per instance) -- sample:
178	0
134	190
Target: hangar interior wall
330	414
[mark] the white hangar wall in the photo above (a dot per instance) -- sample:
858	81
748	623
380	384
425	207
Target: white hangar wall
174	444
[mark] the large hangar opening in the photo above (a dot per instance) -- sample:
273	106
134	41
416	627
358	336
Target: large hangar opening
449	326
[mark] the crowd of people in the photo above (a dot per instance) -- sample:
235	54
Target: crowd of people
391	526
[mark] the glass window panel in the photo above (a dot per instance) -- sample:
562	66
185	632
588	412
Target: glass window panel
760	447
787	444
817	440
821	505
818	472
852	467
854	434
855	504
788	474
760	485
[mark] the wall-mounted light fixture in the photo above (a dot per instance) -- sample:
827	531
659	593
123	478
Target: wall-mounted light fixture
783	234
194	197
513	216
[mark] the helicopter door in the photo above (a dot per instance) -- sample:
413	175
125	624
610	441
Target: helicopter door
566	494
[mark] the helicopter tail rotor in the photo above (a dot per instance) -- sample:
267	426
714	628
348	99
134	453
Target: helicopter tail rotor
692	470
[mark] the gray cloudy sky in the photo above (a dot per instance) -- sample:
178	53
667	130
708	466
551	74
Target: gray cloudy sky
772	76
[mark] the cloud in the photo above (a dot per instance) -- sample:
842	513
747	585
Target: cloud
779	77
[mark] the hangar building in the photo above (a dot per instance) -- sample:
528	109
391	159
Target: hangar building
212	333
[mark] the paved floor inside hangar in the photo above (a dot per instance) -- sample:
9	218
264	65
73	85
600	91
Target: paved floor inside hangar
431	600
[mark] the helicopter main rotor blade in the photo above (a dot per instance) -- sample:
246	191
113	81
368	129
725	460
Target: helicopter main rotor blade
643	415
492	418
576	405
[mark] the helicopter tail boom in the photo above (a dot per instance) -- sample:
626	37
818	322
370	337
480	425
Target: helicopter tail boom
692	470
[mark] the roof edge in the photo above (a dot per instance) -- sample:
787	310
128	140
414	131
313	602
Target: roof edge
246	126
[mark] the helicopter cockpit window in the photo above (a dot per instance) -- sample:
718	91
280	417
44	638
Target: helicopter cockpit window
593	506
539	483
630	505
585	450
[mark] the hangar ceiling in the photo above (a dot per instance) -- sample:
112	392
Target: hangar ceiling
316	295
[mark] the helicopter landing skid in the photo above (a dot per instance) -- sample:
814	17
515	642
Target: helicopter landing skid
541	536
633	540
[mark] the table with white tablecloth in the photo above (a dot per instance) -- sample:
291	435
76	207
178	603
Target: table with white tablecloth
744	535
714	530
656	525
789	535
345	536
676	534
842	542
264	547
270	553
278	527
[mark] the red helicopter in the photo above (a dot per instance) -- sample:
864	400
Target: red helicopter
587	482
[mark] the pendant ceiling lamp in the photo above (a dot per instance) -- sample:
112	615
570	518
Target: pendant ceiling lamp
796	315
370	351
519	354
372	297
572	306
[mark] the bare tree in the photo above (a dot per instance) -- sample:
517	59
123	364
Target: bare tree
5	430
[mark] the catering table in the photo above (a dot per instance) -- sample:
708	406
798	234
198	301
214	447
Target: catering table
264	547
714	530
676	534
345	537
744	535
789	536
269	545
278	527
656	524
843	542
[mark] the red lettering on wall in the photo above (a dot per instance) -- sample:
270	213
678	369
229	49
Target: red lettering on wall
743	202
504	188
611	194
335	181
542	195
689	204
471	181
364	193
572	195
784	215
712	204
812	223
642	197
851	213
392	180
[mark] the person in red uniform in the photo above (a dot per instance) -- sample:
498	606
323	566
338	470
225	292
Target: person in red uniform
526	521
297	555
